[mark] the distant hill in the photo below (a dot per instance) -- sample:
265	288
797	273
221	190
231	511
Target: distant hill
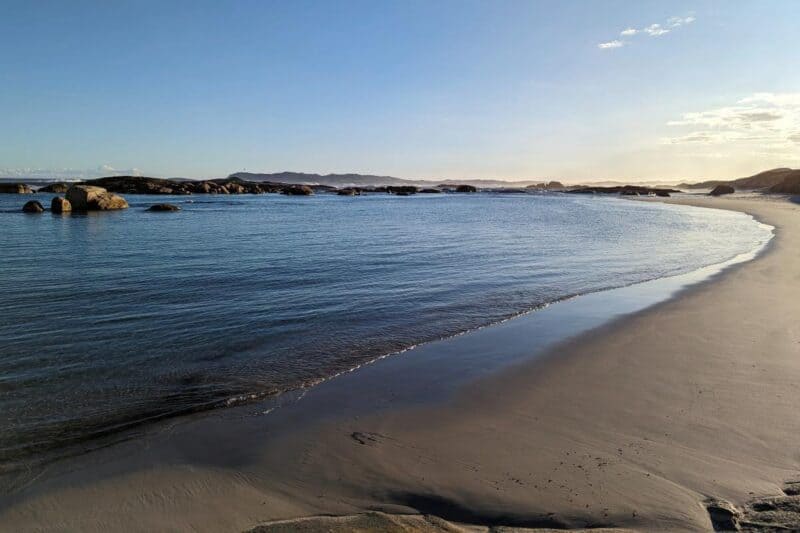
366	180
617	183
336	180
789	185
762	180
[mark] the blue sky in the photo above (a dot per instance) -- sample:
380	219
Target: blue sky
446	89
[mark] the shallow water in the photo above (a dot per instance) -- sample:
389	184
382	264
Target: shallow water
114	319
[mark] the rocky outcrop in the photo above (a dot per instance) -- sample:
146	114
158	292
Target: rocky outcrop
719	190
60	205
163	208
780	512
239	186
91	198
141	185
430	191
466	188
56	188
297	190
349	192
145	185
549	186
723	515
15	188
33	207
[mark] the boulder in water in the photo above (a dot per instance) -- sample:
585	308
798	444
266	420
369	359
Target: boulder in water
163	208
60	205
91	198
298	190
32	207
402	190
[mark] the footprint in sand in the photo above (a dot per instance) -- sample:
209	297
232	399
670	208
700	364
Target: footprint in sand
365	438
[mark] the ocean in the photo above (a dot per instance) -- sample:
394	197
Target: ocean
114	320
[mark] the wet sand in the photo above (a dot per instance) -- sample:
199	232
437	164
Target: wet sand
633	425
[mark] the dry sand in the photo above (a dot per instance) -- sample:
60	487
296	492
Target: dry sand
634	425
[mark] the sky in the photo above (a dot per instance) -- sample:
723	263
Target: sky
516	90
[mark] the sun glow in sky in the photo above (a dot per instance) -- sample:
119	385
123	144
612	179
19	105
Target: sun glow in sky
450	89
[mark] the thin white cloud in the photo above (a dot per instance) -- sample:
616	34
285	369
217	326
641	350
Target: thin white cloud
616	43
760	124
652	30
655	30
677	22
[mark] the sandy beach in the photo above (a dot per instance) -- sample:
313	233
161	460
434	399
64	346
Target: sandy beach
634	425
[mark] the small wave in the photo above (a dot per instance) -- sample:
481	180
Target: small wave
702	273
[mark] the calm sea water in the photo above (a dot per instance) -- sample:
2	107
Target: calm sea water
115	319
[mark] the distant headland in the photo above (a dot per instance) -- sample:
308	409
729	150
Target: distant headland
778	181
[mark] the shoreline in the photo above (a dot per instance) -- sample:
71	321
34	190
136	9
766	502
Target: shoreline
134	428
385	456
